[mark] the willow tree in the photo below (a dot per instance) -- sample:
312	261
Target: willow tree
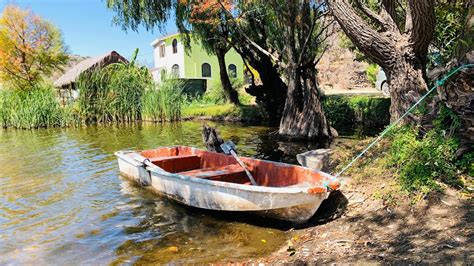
272	91
396	36
295	32
202	18
207	24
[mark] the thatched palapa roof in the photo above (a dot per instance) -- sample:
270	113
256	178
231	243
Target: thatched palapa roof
73	74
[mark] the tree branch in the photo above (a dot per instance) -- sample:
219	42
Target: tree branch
382	19
247	38
369	13
389	14
306	41
377	46
421	26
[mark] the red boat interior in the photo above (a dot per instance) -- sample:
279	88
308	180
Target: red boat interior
220	167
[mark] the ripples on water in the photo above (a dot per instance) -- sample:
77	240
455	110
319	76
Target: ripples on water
62	200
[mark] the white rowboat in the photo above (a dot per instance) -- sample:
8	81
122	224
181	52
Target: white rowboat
215	181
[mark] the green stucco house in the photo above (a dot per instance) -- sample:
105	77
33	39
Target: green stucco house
198	68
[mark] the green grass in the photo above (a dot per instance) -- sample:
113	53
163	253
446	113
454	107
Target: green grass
223	111
425	158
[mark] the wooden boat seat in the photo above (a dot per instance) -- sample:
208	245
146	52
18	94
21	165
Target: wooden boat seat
179	163
228	173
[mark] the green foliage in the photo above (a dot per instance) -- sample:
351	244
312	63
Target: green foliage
371	73
225	111
245	98
113	93
216	94
450	21
34	108
164	102
423	159
466	163
360	115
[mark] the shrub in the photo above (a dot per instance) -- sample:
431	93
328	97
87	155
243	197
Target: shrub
216	95
35	108
371	73
424	158
360	115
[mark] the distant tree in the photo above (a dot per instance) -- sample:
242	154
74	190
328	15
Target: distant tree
30	48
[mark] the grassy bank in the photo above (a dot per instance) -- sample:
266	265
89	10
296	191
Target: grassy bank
163	102
415	165
106	96
224	111
112	94
349	115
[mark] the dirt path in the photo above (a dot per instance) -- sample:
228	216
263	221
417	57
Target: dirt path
360	228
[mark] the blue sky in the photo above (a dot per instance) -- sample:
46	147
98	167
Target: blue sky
88	30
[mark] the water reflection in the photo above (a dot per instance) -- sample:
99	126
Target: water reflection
62	201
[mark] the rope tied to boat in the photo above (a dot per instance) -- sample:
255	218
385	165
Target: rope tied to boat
438	83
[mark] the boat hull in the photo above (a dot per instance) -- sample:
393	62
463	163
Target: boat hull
292	204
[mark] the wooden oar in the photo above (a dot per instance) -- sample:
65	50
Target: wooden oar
229	148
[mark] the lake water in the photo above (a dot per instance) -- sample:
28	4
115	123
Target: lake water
62	200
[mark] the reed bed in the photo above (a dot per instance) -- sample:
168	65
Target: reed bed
34	108
113	93
164	102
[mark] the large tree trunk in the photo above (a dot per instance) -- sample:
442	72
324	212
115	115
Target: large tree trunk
303	116
230	94
402	55
458	95
272	93
407	84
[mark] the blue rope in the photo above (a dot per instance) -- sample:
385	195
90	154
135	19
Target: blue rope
437	84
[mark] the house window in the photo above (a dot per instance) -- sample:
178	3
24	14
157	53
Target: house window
175	71
232	71
162	50
175	46
206	70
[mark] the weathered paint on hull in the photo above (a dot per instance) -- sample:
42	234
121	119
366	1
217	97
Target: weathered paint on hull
293	204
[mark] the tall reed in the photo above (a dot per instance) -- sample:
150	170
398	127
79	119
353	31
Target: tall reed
34	108
112	93
164	102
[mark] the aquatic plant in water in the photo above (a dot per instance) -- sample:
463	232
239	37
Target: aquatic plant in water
34	108
164	101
